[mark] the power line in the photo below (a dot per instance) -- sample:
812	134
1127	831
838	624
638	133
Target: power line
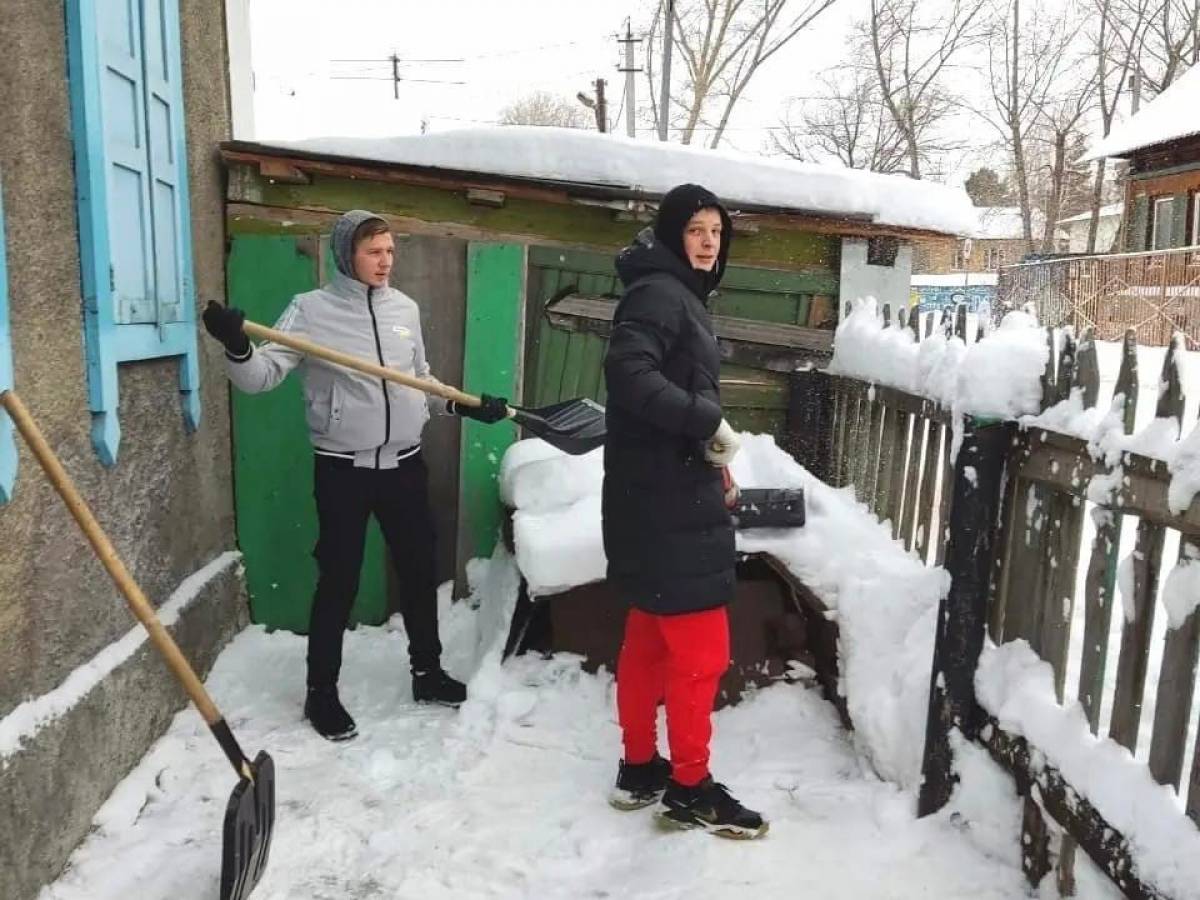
404	60
386	78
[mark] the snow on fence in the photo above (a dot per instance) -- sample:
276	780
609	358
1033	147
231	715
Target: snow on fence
1002	504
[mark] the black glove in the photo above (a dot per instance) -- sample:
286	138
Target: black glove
225	324
491	409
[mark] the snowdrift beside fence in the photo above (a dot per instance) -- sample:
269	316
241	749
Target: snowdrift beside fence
1016	686
884	599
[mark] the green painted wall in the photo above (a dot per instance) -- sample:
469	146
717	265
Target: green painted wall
491	365
566	364
273	461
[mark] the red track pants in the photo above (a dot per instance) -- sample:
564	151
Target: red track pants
679	659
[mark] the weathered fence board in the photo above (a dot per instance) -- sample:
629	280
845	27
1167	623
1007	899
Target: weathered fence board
1136	634
899	452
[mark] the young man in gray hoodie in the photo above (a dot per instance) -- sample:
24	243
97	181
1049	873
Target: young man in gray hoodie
366	437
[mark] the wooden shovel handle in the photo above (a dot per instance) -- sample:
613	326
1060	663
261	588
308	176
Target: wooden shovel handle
308	348
107	555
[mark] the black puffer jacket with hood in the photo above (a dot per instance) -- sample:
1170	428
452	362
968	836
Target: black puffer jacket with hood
667	533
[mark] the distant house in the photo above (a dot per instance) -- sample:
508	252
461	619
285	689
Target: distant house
1076	229
995	238
1161	143
1152	287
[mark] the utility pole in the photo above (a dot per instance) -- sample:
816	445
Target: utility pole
601	106
396	75
664	107
630	79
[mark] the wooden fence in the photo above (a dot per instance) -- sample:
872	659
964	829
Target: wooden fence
1007	517
1155	294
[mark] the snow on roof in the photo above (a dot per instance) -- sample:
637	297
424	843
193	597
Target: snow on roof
1170	115
1106	212
588	157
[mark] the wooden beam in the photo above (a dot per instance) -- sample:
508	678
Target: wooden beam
595	314
1107	847
1063	463
822	634
962	613
481	197
282	170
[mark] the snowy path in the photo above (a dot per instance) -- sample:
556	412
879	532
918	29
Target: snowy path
506	798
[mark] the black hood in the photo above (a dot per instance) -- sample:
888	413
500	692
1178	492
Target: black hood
660	249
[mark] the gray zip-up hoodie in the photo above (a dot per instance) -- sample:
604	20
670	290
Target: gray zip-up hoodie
349	414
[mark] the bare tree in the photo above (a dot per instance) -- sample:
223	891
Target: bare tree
911	56
850	123
1162	37
722	45
1059	129
1116	43
1025	58
545	108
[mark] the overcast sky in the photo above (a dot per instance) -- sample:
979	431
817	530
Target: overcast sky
508	48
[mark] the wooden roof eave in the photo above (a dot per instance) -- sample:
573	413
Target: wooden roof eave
283	164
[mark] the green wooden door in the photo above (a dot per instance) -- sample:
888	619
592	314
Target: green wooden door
273	460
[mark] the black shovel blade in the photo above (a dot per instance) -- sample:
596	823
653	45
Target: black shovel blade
573	426
249	826
769	508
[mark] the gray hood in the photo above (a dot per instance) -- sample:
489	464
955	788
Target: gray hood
342	240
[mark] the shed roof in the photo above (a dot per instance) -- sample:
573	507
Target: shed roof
1173	114
643	168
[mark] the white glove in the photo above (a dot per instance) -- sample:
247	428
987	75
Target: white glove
723	446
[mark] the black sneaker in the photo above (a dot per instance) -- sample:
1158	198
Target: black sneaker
435	686
328	717
708	805
640	785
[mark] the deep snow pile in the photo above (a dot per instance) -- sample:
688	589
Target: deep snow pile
885	599
505	799
1016	686
998	376
585	157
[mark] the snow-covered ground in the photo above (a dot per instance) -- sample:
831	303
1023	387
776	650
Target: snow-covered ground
506	797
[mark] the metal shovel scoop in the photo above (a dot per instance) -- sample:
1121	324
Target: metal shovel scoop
250	813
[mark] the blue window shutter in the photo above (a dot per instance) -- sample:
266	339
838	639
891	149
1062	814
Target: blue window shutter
8	445
168	167
123	117
131	184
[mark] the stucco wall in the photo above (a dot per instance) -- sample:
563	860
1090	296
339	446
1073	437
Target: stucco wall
167	504
889	285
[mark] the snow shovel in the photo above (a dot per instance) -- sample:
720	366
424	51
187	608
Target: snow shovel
573	426
250	813
763	507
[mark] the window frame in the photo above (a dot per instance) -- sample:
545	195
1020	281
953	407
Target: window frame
1195	229
1156	205
108	341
